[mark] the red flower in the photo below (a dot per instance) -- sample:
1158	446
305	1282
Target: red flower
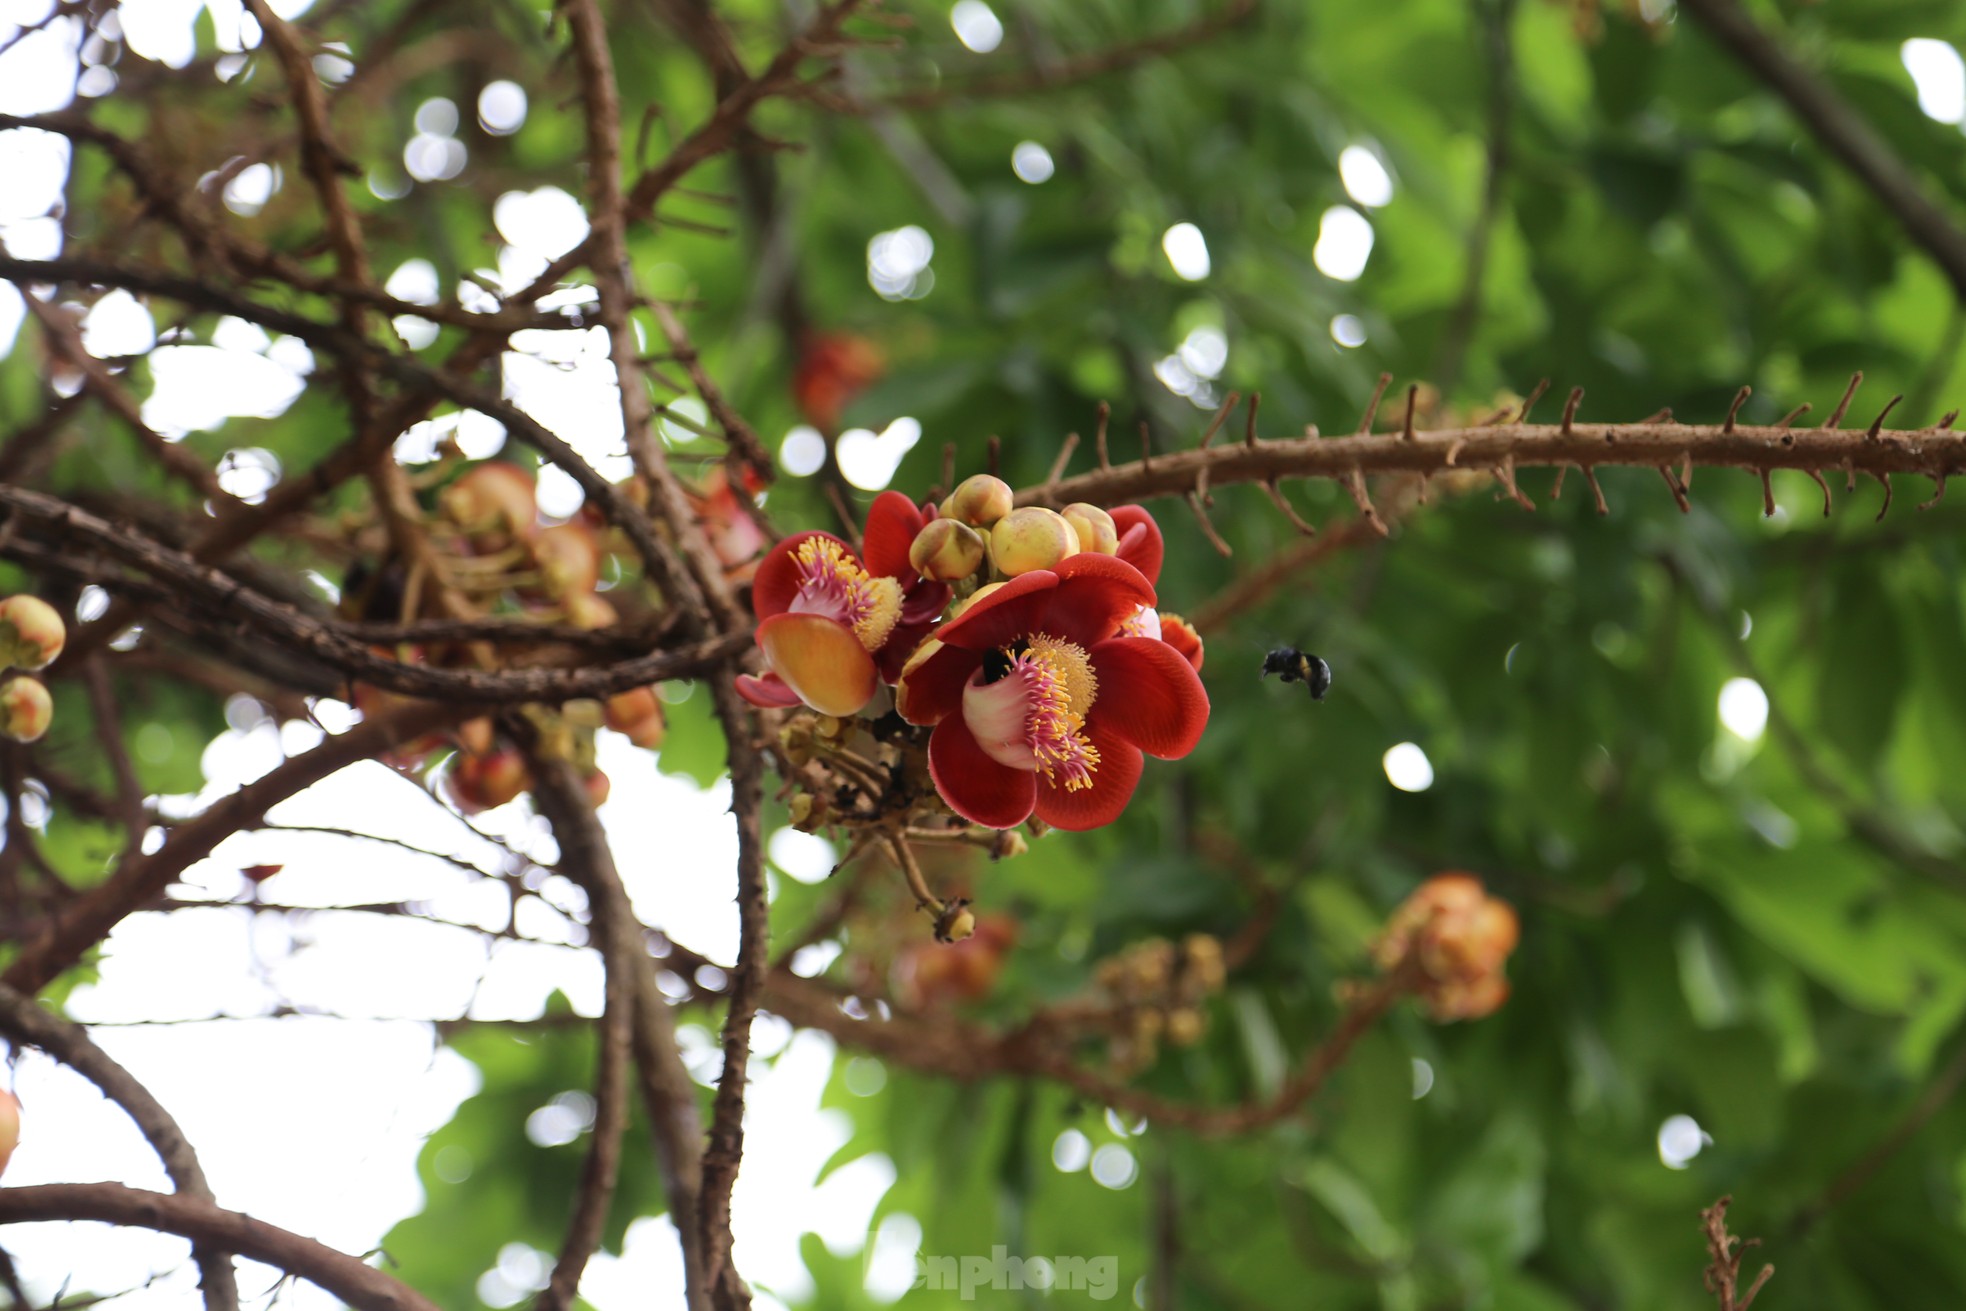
1181	635
830	623
1039	702
1140	541
734	535
833	368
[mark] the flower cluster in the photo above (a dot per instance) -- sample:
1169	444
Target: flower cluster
1025	639
500	556
31	636
1456	938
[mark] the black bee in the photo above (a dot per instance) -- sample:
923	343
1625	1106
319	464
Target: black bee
1299	667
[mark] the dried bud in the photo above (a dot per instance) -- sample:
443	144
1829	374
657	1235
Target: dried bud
808	813
956	922
1095	527
31	632
1031	538
795	740
1009	843
26	709
1205	964
1185	1026
980	500
946	550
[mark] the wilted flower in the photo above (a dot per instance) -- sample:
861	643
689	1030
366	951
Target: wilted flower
1459	938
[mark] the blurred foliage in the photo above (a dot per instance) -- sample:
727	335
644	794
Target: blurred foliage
1768	936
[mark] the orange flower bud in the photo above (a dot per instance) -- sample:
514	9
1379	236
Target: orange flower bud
476	783
26	709
1031	538
31	632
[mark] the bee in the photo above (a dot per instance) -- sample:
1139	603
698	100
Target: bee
1299	667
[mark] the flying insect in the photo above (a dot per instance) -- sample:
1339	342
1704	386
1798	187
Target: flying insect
1295	666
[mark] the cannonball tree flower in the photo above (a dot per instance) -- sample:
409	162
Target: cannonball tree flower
1168	627
833	624
1040	703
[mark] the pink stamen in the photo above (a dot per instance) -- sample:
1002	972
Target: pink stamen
832	583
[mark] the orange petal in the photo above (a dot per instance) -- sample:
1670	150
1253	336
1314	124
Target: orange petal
821	660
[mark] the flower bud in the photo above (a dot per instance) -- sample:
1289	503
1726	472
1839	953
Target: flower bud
1095	527
477	783
795	740
26	709
980	500
956	922
1185	1026
637	715
569	558
945	550
598	786
493	503
1031	538
31	632
474	736
806	812
588	610
1009	843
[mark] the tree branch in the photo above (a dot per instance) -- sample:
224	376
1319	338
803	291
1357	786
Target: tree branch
27	1022
85	921
1933	453
361	1286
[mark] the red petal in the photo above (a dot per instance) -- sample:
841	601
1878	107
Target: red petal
1181	635
932	690
924	602
1140	540
975	786
1095	594
769	691
1112	787
1015	609
899	648
822	661
777	579
1150	695
891	527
